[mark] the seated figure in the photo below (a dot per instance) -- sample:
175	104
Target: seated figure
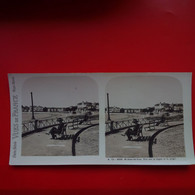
60	130
133	131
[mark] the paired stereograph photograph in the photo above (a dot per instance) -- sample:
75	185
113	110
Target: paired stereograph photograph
142	114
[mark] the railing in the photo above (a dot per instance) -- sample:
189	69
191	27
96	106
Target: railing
29	127
38	124
119	125
151	141
148	123
76	136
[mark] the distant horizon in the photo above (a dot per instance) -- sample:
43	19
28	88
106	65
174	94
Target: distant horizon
142	107
59	91
143	91
60	106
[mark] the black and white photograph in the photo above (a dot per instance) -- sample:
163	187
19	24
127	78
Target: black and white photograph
101	118
60	116
144	117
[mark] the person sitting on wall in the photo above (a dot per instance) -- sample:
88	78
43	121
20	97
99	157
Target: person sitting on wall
130	132
60	130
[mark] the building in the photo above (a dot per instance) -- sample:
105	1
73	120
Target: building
83	106
132	110
87	106
148	110
36	108
54	109
178	107
114	109
162	107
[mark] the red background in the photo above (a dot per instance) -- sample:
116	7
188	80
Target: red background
93	36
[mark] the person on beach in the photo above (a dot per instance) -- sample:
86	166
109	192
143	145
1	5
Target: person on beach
130	132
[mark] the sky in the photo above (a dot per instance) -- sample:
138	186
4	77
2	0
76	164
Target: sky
59	91
143	91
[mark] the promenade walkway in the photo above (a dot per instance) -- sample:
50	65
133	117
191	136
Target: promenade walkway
41	144
169	144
